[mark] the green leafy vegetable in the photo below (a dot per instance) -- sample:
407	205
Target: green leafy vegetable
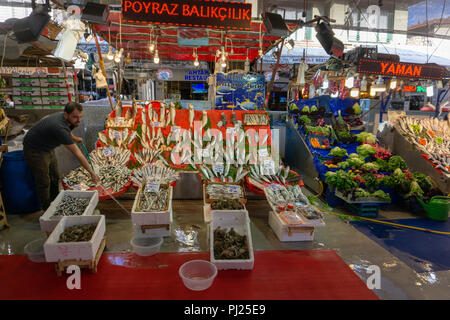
305	109
340	180
366	150
365	137
423	181
370	166
356	108
305	119
313	109
396	162
338	152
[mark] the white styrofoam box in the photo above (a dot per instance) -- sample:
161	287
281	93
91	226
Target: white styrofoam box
287	233
240	222
152	233
148	218
84	250
48	222
208	212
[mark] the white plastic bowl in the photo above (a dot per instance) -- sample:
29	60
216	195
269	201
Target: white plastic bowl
198	275
35	250
146	246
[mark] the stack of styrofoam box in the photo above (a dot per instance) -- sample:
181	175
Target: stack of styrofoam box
140	219
207	211
285	232
54	88
240	222
26	91
84	250
48	221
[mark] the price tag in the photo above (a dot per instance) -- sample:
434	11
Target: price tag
175	129
268	167
156	124
116	134
80	187
439	140
120	119
152	187
276	187
218	168
263	153
107	152
234	189
231	131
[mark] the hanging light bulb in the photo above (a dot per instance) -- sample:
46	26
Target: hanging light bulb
151	47
110	55
354	92
156	57
350	80
372	91
118	55
196	63
128	58
325	83
223	64
430	89
393	84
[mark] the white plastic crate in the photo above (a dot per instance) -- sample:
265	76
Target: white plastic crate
240	222
286	233
48	221
84	250
149	218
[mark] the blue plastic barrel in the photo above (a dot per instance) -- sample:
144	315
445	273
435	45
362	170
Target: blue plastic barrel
18	186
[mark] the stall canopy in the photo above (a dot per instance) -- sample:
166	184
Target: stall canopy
136	40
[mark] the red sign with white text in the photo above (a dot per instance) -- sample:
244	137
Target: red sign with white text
195	13
400	69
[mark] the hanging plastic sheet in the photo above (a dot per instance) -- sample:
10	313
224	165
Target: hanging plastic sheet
337	105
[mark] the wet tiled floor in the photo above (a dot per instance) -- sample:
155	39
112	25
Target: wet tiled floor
189	233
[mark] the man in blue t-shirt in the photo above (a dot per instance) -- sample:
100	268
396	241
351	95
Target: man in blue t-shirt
39	149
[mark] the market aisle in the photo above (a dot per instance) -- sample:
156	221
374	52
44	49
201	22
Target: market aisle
301	275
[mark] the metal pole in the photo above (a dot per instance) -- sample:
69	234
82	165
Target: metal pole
272	80
102	66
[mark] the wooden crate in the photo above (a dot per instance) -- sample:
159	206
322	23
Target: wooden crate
60	266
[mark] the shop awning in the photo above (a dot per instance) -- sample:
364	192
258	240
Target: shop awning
136	40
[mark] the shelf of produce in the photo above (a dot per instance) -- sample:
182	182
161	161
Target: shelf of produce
402	147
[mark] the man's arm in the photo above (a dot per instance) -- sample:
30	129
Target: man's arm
82	159
75	138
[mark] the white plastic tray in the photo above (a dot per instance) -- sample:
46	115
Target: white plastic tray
149	218
48	221
240	221
84	250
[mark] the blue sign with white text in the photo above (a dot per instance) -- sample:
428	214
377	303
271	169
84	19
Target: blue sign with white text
240	91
